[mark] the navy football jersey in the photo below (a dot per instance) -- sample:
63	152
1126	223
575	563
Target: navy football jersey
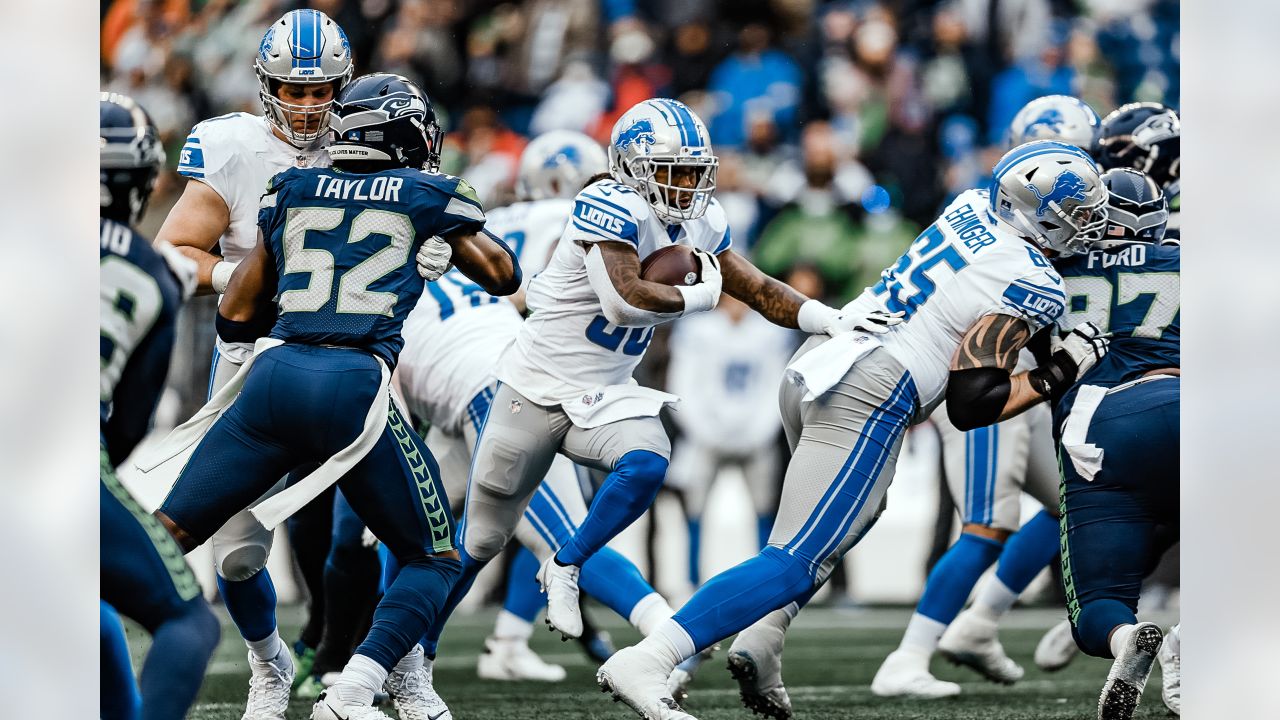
140	297
343	246
1131	291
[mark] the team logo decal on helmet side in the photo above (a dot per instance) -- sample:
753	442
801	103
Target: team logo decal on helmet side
1050	120
567	154
1155	129
1066	185
640	132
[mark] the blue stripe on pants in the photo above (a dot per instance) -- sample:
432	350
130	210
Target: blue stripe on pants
981	445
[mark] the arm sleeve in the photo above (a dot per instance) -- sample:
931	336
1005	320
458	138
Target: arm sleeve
976	397
616	309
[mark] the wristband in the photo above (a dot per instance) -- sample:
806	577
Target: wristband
221	275
698	298
1054	377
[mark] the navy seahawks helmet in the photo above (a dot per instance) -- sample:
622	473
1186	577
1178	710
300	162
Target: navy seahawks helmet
130	156
380	121
1145	136
1136	209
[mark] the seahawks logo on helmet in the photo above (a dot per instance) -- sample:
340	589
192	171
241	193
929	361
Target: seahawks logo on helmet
1155	129
640	132
1067	185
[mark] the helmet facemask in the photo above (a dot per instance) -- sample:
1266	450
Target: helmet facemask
282	114
658	178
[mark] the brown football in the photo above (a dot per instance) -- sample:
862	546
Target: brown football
672	265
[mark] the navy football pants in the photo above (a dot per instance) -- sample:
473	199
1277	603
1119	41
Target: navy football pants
1115	528
145	577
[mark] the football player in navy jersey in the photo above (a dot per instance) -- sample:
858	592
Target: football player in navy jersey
335	257
143	573
1119	440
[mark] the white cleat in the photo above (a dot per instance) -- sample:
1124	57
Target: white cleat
681	678
329	707
1057	648
639	679
1129	673
972	641
269	685
905	673
1170	658
512	659
560	583
411	692
755	661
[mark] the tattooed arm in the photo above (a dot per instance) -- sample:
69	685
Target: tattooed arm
622	266
775	300
982	389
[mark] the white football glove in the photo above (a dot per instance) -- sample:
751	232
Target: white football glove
433	259
876	322
704	295
1085	345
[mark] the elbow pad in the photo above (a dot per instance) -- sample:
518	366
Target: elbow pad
976	397
517	278
616	309
248	331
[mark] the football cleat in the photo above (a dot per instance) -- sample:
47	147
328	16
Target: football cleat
1170	658
560	583
1057	648
329	707
411	691
905	673
681	678
639	679
512	659
755	661
1129	673
269	685
309	689
972	641
306	659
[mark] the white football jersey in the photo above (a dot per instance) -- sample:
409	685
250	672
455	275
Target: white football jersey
726	374
566	346
530	229
236	154
964	266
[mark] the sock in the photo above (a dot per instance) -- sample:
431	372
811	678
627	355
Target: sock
650	612
1028	551
993	599
351	579
922	634
266	648
361	679
954	576
764	527
175	664
470	568
524	598
670	642
119	698
626	494
251	604
743	594
409	606
695	549
615	581
512	627
1119	637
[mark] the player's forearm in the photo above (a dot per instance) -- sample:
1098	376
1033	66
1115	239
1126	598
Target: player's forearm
621	268
487	261
775	300
1022	397
205	264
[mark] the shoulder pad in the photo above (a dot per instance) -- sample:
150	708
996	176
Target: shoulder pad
213	143
614	193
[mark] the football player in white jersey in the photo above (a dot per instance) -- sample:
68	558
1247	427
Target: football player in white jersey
987	470
565	383
303	61
974	288
453	340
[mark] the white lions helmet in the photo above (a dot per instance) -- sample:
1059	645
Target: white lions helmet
1051	194
557	164
663	151
307	47
1055	117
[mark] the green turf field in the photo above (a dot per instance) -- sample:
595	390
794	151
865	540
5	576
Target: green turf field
830	658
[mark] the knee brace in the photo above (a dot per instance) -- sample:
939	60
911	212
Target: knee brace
239	561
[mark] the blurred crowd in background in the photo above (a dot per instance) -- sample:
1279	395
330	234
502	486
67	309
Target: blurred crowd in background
842	126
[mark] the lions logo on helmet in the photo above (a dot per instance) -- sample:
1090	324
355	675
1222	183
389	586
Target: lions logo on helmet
1050	193
557	164
1055	117
662	149
307	47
